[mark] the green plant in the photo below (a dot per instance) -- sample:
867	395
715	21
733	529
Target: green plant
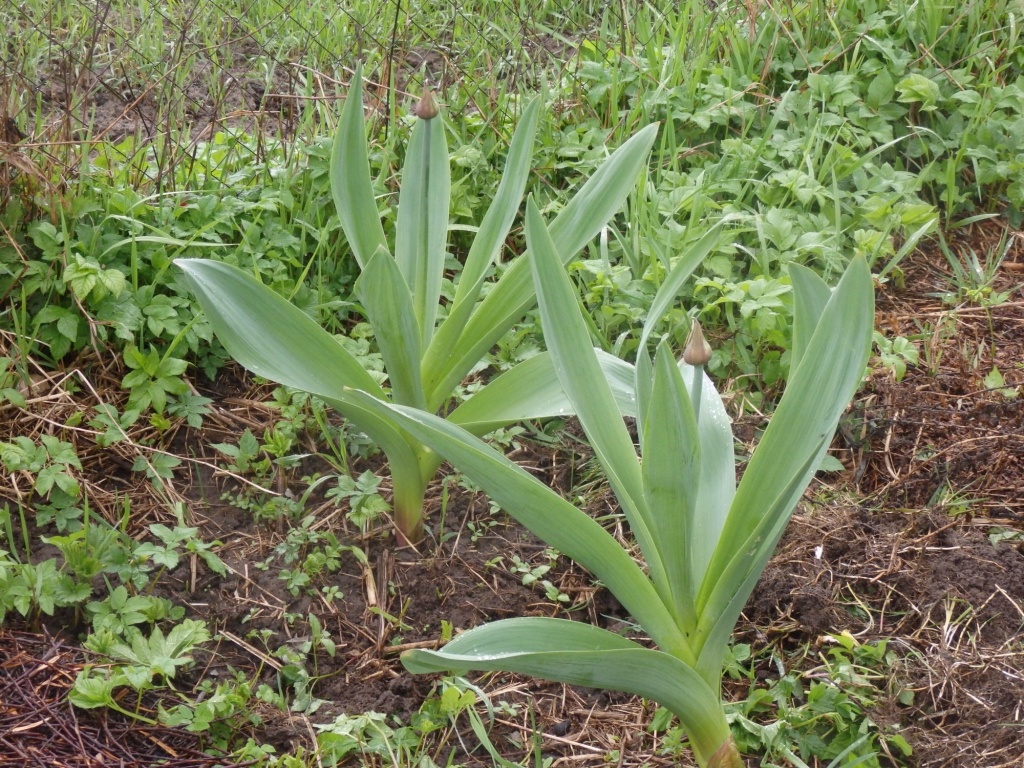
48	463
9	392
154	380
823	713
218	709
427	353
32	589
533	575
705	540
365	504
140	663
174	541
895	354
974	279
119	610
243	453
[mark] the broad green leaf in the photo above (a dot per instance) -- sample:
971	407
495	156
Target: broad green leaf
271	337
810	295
503	209
487	244
880	91
791	448
717	480
350	178
643	383
579	654
274	339
553	519
677	277
565	332
531	390
818	392
671	464
916	88
421	232
388	305
512	296
719	616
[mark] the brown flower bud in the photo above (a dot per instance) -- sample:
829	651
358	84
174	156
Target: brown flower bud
697	350
427	108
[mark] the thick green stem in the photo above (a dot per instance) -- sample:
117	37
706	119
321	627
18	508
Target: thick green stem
409	485
710	737
697	392
726	756
409	491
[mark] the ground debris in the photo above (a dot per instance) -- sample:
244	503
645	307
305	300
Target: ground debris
40	727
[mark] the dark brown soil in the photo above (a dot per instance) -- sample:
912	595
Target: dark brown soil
942	437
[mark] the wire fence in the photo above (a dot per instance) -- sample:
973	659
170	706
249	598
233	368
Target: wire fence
90	70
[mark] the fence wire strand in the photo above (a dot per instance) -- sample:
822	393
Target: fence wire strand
77	70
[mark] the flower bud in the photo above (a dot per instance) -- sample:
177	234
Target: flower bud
427	108
697	350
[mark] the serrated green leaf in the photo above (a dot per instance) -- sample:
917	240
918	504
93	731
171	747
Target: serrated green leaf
67	326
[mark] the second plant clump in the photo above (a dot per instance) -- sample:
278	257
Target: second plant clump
399	291
705	540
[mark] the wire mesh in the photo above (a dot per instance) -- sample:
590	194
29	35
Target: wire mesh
88	70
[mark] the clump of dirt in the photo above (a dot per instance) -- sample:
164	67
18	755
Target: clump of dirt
948	600
950	434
